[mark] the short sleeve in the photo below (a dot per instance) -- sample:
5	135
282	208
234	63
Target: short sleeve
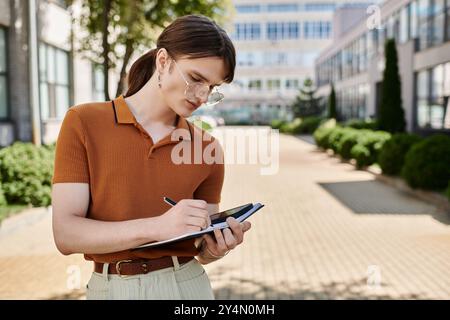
71	161
211	188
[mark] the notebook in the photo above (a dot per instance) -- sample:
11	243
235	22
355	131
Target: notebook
218	221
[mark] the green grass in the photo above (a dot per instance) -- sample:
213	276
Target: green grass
9	210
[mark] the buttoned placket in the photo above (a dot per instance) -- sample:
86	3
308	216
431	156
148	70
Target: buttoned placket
149	138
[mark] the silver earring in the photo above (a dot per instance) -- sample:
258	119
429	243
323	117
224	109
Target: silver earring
159	80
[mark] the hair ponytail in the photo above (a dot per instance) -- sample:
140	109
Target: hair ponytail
141	71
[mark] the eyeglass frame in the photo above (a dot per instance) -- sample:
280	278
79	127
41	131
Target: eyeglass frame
195	93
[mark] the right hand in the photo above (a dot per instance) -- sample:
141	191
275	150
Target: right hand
186	216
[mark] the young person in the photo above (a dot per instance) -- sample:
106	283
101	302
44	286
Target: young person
114	164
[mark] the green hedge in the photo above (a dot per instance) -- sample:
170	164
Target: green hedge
360	144
291	127
373	141
309	124
427	163
321	136
26	172
335	137
362	155
277	124
3	201
298	125
361	124
392	156
347	141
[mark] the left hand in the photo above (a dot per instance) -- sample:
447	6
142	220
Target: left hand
226	239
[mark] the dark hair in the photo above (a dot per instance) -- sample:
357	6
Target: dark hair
195	36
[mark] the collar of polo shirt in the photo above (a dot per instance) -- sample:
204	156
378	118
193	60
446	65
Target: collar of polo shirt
124	115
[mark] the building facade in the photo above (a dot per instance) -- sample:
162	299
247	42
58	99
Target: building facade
41	75
276	43
354	63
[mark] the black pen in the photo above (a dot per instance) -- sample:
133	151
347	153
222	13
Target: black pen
172	203
169	201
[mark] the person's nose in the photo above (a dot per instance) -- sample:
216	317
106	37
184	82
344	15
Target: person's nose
202	99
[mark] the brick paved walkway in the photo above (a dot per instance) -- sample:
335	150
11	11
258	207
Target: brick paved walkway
326	232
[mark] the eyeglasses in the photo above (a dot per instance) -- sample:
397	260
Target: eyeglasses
200	90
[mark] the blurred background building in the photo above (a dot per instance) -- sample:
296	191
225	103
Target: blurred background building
277	43
354	63
40	73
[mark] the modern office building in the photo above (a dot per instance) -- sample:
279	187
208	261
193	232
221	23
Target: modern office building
277	43
41	74
354	63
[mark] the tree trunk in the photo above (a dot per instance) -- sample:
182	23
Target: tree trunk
129	49
123	71
106	47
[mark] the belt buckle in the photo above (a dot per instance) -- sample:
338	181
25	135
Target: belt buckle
118	267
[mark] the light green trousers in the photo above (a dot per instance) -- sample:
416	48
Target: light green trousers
182	282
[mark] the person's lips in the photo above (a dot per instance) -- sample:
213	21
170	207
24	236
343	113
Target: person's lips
193	105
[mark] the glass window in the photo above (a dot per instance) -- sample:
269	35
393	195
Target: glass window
433	90
292	83
54	81
446	88
273	84
438	22
3	97
362	53
98	83
320	6
2	50
62	70
404	24
282	30
248	8
437	83
428	24
381	38
448	21
317	29
437	98
288	7
413	20
3	75
247	31
422	91
255	84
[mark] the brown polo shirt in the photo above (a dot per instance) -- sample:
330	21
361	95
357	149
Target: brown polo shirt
102	144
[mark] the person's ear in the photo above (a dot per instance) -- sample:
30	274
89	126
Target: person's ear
161	60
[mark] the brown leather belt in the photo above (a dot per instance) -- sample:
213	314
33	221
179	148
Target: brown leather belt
141	266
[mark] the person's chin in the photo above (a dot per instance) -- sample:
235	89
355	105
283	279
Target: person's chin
189	108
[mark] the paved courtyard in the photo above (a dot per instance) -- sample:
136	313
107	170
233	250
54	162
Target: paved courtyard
328	231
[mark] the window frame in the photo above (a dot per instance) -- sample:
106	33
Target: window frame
5	73
54	116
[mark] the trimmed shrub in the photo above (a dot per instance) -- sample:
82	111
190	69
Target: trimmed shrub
362	155
373	141
427	163
335	138
348	140
392	155
3	201
291	127
276	124
321	137
309	124
26	172
361	124
322	133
